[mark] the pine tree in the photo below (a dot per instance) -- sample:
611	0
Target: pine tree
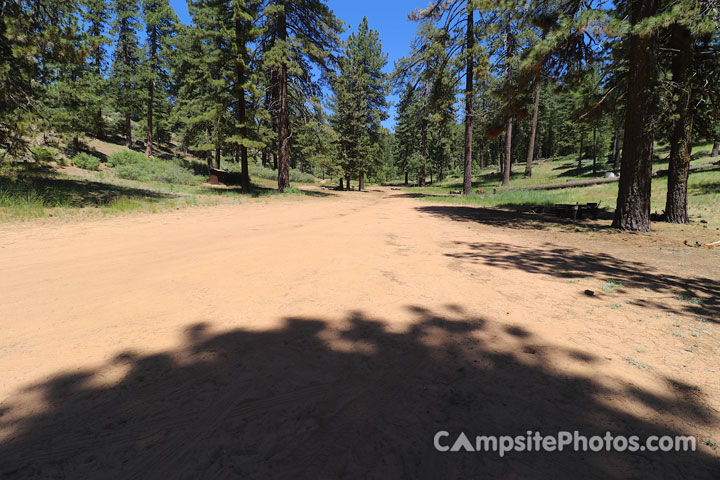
359	101
160	23
96	14
300	33
125	75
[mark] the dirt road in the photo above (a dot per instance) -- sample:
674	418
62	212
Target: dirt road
332	337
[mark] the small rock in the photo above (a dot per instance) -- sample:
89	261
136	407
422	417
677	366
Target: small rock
589	293
703	221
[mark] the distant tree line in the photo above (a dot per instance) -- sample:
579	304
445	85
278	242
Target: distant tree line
485	83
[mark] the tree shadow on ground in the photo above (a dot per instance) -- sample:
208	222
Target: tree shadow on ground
57	191
705	188
310	400
518	217
257	191
696	295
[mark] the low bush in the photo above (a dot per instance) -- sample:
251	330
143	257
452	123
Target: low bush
42	154
136	166
86	161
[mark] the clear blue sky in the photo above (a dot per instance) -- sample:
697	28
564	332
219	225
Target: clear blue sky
389	17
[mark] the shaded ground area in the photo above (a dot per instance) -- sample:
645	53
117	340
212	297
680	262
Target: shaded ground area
309	400
698	296
55	191
515	219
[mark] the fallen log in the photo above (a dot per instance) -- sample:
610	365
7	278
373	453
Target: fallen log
597	181
558	186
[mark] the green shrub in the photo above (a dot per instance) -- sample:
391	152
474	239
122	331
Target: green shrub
86	161
126	157
136	166
42	154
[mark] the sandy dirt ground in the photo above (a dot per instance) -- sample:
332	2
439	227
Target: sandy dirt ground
332	337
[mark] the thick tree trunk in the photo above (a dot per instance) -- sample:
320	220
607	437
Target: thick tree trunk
716	149
341	184
469	98
676	205
361	181
508	151
241	110
533	130
633	202
128	131
406	178
149	138
283	117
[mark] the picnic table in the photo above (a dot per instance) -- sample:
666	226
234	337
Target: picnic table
576	211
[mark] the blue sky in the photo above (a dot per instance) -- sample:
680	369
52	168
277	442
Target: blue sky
389	17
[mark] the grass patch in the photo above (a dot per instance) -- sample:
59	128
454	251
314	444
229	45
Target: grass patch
636	363
611	285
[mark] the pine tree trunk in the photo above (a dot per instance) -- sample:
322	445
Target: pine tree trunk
217	158
533	131
469	98
275	161
128	131
616	145
283	117
676	205
716	150
618	153
509	125
149	139
482	158
594	150
341	184
406	178
508	151
634	193
580	153
241	110
361	181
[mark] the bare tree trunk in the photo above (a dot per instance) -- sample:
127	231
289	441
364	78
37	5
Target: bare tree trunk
341	184
676	205
283	120
716	149
509	125
533	130
633	202
149	138
406	178
469	98
361	181
217	158
128	131
241	110
594	150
